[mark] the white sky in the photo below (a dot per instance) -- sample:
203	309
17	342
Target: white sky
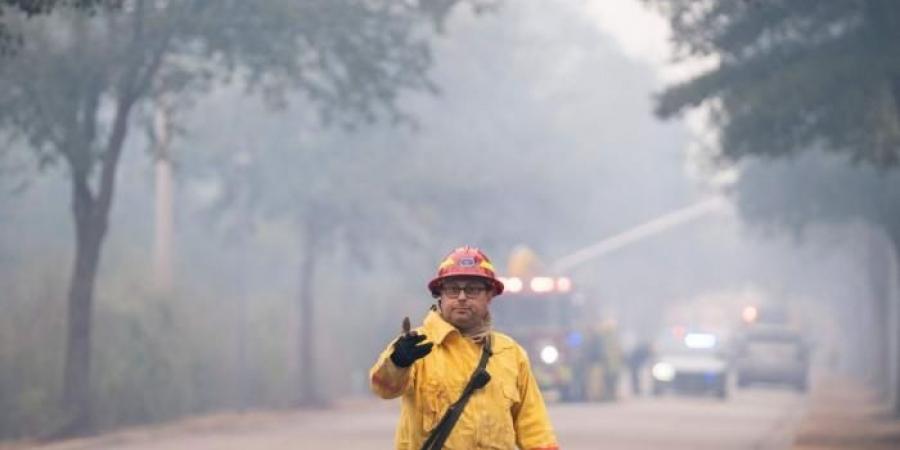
640	33
643	35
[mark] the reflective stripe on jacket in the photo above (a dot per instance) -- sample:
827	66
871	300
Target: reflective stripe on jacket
506	413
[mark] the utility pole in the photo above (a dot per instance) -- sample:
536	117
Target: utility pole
164	222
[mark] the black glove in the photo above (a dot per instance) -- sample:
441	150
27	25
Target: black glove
407	352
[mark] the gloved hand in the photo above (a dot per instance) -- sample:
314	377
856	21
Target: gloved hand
406	351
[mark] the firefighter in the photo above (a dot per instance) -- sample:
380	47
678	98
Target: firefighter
603	361
612	360
637	359
434	366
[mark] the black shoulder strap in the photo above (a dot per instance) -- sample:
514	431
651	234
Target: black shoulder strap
478	380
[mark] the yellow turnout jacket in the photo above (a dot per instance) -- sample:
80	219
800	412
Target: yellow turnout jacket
506	413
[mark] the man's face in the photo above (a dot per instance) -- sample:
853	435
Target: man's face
464	301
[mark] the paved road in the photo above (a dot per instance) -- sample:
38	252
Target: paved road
757	419
754	419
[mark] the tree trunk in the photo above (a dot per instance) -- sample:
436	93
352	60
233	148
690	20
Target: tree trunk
893	310
241	373
90	229
308	395
91	214
878	346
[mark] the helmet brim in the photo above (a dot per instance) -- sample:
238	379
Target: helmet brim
435	284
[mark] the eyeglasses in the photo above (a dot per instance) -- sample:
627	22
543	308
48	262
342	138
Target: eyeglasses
471	290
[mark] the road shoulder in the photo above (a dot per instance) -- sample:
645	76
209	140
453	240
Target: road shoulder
843	413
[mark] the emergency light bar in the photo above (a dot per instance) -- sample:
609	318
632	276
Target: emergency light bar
538	285
541	284
512	284
700	340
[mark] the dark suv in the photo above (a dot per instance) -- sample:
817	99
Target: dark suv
772	354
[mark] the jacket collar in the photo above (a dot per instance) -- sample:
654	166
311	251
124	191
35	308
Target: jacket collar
436	328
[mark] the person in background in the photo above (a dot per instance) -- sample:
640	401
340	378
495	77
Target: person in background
636	361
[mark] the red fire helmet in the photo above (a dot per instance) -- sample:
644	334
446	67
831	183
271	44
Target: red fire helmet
465	261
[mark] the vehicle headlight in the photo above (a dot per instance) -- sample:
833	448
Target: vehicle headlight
549	354
663	371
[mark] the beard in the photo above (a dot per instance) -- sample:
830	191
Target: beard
467	320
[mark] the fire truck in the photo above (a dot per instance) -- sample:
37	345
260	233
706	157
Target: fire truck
547	316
